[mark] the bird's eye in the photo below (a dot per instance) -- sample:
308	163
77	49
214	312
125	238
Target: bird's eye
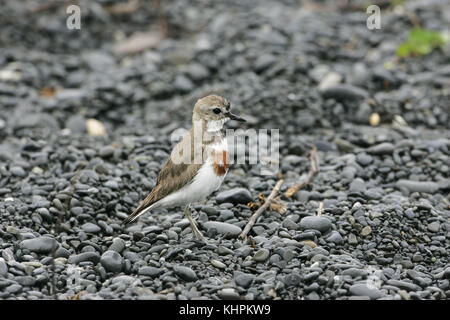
216	110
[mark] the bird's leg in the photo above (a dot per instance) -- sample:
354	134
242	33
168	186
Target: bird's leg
197	233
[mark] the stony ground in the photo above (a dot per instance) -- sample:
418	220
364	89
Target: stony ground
309	68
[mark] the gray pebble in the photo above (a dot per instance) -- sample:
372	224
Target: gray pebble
3	268
228	294
344	92
321	224
292	280
244	280
261	255
289	224
433	226
18	171
364	159
382	148
335	237
150	271
235	196
93	257
185	273
90	227
106	152
118	245
111	261
418	186
358	185
223	228
41	244
361	289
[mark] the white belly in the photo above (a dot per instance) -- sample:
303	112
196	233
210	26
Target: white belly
204	183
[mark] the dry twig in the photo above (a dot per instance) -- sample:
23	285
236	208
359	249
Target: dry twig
261	209
320	209
313	169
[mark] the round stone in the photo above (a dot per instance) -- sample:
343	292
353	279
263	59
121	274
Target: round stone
292	280
244	280
111	261
261	255
39	245
90	227
321	224
218	264
185	273
223	228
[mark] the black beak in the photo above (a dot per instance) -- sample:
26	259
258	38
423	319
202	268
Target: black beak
235	117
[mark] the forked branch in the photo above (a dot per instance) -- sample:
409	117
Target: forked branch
251	222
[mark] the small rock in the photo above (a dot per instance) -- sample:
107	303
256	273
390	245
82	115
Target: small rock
3	268
95	127
330	80
106	152
361	289
366	231
39	245
244	280
118	245
364	159
14	288
223	228
403	285
112	184
352	239
76	124
374	119
434	226
264	61
382	148
18	171
418	186
261	255
228	294
342	92
25	281
183	83
335	237
218	264
355	272
150	271
93	257
358	185
289	224
111	261
235	196
90	227
185	273
197	72
292	280
309	243
321	224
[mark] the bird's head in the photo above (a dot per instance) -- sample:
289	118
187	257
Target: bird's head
215	111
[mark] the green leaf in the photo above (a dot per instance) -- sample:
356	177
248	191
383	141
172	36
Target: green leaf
420	42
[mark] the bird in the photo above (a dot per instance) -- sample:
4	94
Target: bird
196	166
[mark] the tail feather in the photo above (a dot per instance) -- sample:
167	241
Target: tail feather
136	213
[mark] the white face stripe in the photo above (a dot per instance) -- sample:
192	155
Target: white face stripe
215	125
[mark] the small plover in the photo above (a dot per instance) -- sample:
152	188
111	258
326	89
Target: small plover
197	165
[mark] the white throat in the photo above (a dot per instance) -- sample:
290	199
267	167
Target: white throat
215	125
